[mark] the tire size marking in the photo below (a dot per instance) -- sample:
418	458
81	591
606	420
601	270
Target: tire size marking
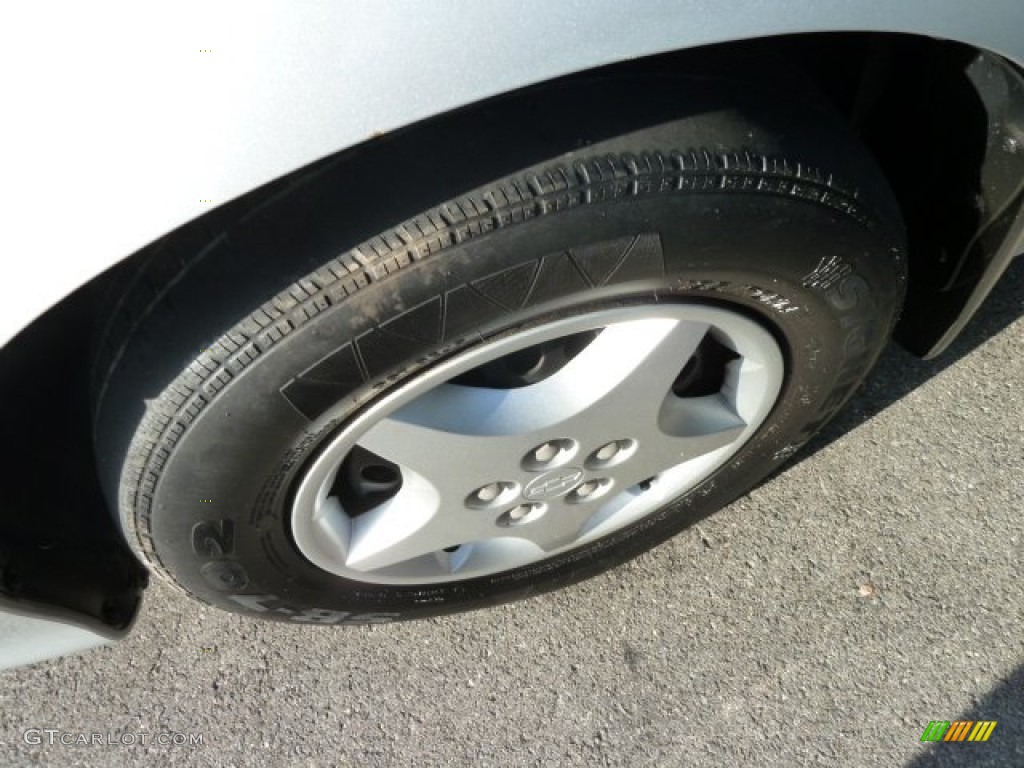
274	604
848	294
213	539
830	270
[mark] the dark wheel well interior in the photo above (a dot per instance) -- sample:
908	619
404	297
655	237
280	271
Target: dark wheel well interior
908	97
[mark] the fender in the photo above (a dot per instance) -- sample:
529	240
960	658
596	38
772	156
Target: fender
124	123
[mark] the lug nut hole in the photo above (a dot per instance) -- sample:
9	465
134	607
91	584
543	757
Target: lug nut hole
611	454
492	495
522	514
553	453
589	490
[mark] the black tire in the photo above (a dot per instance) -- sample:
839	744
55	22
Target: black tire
223	373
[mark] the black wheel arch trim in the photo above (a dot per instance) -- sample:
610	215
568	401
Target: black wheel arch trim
940	303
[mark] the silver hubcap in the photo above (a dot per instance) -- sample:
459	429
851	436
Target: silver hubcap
484	479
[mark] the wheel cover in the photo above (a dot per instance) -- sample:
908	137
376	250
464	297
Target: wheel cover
494	479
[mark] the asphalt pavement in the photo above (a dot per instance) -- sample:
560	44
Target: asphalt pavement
872	586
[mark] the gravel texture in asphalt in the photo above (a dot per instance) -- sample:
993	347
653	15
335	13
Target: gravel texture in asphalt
870	587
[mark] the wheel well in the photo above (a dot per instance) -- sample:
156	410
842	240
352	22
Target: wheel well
944	122
907	97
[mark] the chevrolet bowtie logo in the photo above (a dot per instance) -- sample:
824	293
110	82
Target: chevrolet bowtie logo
554	483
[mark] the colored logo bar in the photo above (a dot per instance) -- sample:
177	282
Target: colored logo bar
958	730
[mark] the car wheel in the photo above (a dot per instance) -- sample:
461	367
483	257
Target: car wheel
509	391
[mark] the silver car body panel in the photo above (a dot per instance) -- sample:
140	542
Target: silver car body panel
28	639
124	122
